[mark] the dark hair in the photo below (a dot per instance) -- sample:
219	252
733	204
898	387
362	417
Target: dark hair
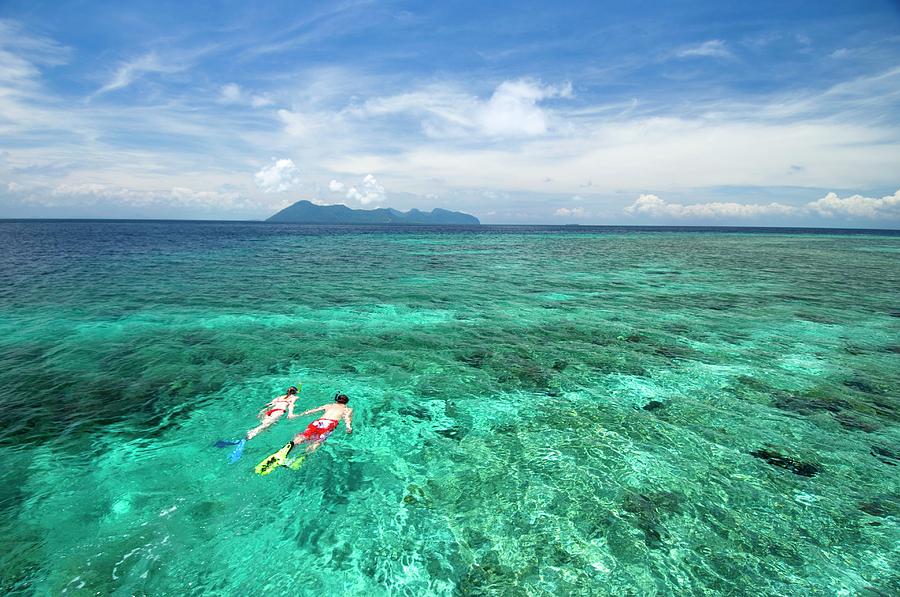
292	390
341	398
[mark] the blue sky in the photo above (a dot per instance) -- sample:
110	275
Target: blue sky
763	113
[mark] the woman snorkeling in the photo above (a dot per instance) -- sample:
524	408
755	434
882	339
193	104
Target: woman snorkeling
268	416
273	411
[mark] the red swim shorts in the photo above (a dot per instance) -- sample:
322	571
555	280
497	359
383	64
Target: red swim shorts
319	429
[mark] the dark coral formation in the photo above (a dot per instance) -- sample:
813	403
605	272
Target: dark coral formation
886	456
804	469
647	509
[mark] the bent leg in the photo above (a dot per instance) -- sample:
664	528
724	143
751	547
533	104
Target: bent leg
267	422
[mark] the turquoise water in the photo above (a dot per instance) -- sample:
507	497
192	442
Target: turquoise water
538	411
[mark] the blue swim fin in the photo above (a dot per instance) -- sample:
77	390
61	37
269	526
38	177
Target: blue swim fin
224	443
237	452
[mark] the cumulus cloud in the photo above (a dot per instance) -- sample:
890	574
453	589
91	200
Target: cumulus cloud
857	206
369	192
278	176
653	206
714	48
513	110
574	212
335	186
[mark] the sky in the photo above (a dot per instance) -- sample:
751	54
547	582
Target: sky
631	113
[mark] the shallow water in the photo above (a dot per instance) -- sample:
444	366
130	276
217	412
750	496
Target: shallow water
538	411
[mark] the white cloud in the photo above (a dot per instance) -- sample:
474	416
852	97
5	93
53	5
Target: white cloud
68	194
22	53
734	148
844	137
278	176
335	186
573	212
653	206
260	101
132	70
714	48
511	111
857	206
230	93
369	192
296	124
24	103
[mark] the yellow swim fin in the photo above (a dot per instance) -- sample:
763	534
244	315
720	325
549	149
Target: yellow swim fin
272	462
295	463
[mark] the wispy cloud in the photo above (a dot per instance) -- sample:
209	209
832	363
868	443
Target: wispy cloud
337	20
96	197
512	110
714	48
131	70
232	93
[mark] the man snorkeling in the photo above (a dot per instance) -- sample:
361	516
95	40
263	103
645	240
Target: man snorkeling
315	433
319	430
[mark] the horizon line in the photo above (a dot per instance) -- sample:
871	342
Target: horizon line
412	225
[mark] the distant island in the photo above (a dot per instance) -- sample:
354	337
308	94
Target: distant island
306	212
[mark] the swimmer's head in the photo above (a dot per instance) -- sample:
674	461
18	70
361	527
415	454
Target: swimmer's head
341	398
292	390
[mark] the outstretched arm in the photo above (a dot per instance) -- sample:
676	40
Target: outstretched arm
291	407
348	419
309	412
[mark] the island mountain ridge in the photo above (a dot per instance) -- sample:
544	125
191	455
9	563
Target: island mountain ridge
306	212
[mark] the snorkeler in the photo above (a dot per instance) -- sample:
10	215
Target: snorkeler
315	433
270	414
319	430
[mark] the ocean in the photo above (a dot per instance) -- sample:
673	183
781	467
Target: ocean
538	410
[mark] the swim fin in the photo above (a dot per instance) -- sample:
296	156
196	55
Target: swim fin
237	452
272	462
295	463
